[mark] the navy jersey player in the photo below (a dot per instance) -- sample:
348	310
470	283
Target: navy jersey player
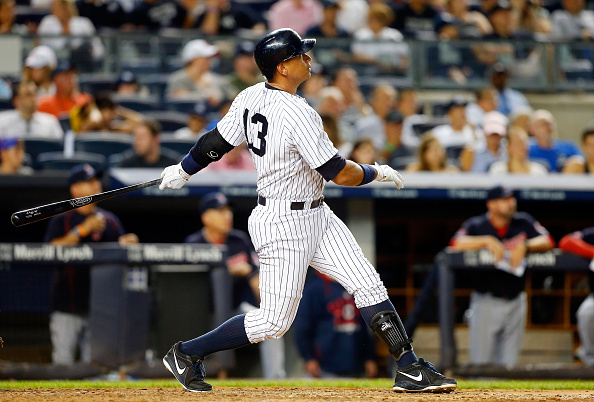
291	227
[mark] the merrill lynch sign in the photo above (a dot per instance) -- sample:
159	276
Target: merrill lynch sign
48	253
173	253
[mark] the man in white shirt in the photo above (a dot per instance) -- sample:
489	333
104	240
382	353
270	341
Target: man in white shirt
25	121
573	22
458	133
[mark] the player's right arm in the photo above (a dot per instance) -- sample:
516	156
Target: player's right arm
355	174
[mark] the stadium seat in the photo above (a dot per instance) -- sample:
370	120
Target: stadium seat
454	152
179	145
6	104
185	105
38	145
421	128
103	143
170	121
142	65
57	160
156	83
65	123
139	104
95	83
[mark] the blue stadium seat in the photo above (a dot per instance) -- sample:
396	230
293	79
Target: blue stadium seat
65	123
103	143
142	65
139	104
185	105
94	83
38	145
421	128
57	160
180	145
6	104
170	121
156	83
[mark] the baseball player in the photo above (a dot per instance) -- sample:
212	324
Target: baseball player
291	227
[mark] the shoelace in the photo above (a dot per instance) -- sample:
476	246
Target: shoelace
429	365
199	370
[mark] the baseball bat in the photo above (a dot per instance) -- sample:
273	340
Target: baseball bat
42	212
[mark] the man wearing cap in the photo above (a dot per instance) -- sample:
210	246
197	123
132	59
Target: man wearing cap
235	285
458	133
12	155
197	121
39	66
24	121
196	79
498	303
245	70
486	101
509	99
67	96
328	28
479	158
69	319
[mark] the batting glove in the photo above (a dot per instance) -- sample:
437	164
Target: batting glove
174	177
386	173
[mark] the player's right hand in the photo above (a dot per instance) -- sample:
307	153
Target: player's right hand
174	177
386	173
94	223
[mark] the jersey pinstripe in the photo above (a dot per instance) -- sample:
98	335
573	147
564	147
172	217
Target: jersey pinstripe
286	139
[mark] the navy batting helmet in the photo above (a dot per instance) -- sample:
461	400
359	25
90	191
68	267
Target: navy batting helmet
279	46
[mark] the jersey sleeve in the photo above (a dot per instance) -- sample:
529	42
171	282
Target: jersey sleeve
231	127
533	227
305	127
588	236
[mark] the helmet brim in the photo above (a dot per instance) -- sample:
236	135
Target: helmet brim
306	45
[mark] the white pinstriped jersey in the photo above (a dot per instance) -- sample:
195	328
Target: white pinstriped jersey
286	139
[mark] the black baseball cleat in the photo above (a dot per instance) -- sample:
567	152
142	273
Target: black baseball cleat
421	376
188	370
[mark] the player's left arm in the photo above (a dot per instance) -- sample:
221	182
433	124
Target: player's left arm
355	174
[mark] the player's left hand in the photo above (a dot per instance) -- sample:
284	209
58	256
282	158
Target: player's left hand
386	173
174	177
517	255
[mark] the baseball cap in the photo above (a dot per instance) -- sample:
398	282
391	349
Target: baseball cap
7	143
80	173
41	56
213	200
498	192
63	67
330	3
244	48
501	5
394	117
200	109
198	48
126	77
456	101
499	67
495	123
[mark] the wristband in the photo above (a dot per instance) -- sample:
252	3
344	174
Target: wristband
369	174
80	231
189	165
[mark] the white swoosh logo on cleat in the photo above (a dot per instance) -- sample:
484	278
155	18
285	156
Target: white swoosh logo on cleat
180	370
416	378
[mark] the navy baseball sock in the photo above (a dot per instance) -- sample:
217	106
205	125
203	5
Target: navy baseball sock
370	311
229	335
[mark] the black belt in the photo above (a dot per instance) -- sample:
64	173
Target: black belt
296	206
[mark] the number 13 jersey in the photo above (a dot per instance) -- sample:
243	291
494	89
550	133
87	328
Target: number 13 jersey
286	139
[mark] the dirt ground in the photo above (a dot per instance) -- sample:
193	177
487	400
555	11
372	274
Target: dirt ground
274	394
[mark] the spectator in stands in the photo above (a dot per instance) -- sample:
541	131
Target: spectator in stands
12	157
363	151
147	152
24	121
582	243
8	17
103	114
67	96
105	13
330	334
486	101
390	56
521	118
408	104
478	158
431	157
221	17
517	157
470	24
157	14
529	16
500	18
458	133
239	158
346	80
312	88
485	6
127	85
234	285
573	22
331	127
352	15
395	153
197	121
415	18
299	15
544	146
245	70
39	66
583	165
328	28
373	126
69	326
498	303
196	79
509	99
64	20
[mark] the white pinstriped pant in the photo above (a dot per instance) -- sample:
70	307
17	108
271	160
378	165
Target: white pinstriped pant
287	243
